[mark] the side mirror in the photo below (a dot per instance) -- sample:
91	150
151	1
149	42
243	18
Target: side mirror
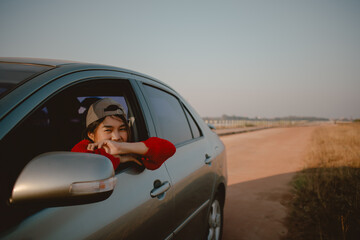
64	178
212	127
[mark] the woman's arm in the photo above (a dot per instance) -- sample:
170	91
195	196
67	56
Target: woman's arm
155	151
120	148
83	146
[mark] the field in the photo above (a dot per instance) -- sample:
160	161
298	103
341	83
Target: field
325	201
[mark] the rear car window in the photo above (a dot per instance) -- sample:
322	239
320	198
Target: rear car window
169	115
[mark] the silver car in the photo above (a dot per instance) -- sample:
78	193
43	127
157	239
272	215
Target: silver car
48	192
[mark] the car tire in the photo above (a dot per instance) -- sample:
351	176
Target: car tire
215	219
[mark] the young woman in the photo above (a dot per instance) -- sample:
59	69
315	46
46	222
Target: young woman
108	133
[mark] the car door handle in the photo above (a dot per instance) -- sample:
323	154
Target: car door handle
208	159
159	189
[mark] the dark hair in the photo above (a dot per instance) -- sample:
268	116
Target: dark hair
92	127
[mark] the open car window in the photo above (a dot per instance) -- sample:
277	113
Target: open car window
58	123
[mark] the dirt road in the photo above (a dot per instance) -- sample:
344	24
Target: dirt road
260	166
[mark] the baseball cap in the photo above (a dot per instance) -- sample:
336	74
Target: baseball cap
102	108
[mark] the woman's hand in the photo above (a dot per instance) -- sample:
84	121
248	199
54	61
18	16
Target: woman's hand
128	158
121	150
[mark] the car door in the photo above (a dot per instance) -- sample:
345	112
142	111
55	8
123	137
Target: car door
190	168
52	119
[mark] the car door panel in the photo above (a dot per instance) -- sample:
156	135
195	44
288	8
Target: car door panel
193	182
134	208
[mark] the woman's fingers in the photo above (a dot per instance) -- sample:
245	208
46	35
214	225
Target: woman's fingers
91	146
101	144
106	148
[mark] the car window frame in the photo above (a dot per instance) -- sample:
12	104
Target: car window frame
41	96
35	105
19	111
161	87
188	114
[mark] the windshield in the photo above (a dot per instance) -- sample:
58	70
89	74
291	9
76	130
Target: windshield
13	74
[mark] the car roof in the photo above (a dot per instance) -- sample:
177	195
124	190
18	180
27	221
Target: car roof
70	66
59	63
37	61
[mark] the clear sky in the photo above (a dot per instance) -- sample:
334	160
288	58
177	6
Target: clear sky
266	58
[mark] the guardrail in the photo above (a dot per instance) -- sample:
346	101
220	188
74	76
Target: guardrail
221	124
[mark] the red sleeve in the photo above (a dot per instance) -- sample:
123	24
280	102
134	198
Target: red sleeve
159	151
82	147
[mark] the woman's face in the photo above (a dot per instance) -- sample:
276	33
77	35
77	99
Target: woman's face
112	128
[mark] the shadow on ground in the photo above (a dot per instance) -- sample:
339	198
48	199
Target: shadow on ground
256	209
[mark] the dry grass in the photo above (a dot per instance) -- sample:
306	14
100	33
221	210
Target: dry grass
326	196
335	146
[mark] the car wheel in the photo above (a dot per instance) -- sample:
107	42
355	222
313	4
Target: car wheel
215	220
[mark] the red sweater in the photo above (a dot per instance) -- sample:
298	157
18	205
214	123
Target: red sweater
159	151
